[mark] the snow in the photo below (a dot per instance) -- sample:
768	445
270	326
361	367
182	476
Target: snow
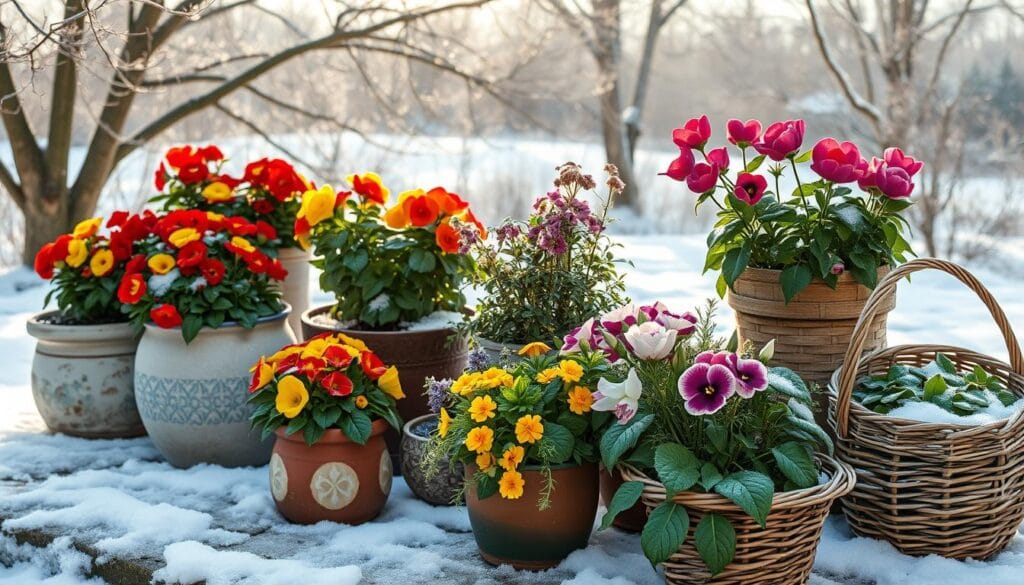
933	413
190	561
435	320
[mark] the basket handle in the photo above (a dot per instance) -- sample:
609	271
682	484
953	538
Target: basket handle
848	371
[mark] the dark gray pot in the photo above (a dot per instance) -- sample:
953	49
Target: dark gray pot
442	488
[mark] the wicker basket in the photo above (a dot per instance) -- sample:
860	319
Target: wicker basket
950	490
782	553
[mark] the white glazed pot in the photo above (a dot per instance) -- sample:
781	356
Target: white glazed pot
295	288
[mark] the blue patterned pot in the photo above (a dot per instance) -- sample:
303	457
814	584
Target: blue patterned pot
192	398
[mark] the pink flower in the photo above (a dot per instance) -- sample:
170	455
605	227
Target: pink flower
837	162
694	133
894	157
893	182
617	320
781	139
680	168
650	340
867	180
751	377
580	338
743	134
750	188
720	158
706	387
703	177
838	268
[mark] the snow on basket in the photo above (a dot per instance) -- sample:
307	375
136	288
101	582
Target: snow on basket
948	489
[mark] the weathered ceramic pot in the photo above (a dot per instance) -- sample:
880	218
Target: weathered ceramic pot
334	479
631	520
438	487
517	533
192	398
494	350
295	288
82	378
419	354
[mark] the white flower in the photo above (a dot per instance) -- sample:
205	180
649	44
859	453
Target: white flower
622	397
161	283
650	340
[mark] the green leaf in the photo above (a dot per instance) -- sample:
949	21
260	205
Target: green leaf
796	464
751	491
664	532
736	261
788	382
721	286
754	163
945	364
806	156
618	439
715	540
486	486
625	498
356	426
556	444
356	261
326	417
851	216
190	326
814	430
421	260
935	386
709	476
677	467
794	279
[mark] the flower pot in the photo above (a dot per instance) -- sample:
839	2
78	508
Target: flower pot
517	533
780	554
333	479
295	288
82	378
494	349
631	520
418	354
192	398
440	486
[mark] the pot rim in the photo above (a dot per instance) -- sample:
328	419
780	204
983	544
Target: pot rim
331	436
61	332
846	276
407	427
279	316
534	467
295	253
307	319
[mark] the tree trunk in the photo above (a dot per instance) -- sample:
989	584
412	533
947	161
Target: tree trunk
45	219
615	143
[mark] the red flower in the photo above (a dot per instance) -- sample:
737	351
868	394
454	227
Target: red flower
132	287
276	271
136	265
255	172
192	174
265	230
311	367
448	239
166	316
257	261
337	384
337	357
212	270
720	158
117	219
287	363
894	157
282	181
781	139
837	162
160	177
421	210
368	189
182	218
60	248
742	134
239	226
210	153
681	167
193	254
448	203
703	178
371	364
120	246
694	133
182	156
750	188
44	261
228	180
262	206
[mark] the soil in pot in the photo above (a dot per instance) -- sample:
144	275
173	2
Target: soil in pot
440	486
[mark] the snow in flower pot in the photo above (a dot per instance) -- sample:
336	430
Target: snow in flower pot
526	434
543	276
722	451
798	266
82	378
440	485
268	194
202	291
329	400
397	276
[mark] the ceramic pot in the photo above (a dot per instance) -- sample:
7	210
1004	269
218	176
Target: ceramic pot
517	533
192	398
631	520
494	349
334	479
443	484
295	288
82	378
419	354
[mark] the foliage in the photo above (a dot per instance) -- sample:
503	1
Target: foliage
937	382
391	266
330	381
549	273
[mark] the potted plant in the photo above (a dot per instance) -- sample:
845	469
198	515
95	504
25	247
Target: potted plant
724	453
268	194
328	400
201	288
799	266
526	435
396	274
547	274
82	371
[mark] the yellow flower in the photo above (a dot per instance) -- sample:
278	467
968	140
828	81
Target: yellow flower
77	253
361	402
182	236
444	423
161	263
217	191
529	429
390	383
570	371
482	408
512	457
284	353
102	262
547	375
510	486
534	349
214	217
580	400
480	439
485	461
263	373
242	243
396	217
356	343
317	205
87	228
495	377
315	348
291	396
466	383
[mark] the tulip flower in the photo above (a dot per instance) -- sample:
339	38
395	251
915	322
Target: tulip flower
893	182
781	139
750	188
706	387
694	133
867	180
894	157
623	397
837	162
743	134
720	158
650	340
703	178
680	168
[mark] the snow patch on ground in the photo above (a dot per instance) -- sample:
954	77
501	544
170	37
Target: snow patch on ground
191	562
57	564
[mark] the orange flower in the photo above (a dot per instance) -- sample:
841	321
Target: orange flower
421	210
512	457
396	217
511	485
529	428
580	400
448	203
448	239
361	402
370	187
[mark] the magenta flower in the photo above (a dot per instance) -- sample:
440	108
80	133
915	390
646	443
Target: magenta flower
617	320
781	139
722	358
720	158
579	338
684	324
750	188
867	180
680	168
703	178
838	268
837	162
894	157
893	182
694	133
751	377
705	388
743	134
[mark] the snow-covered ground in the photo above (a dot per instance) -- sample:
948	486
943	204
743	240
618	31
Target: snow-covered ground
195	523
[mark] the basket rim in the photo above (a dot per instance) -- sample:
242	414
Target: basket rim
1014	380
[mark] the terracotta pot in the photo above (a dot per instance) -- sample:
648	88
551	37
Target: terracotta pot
295	288
515	532
445	483
82	378
192	398
631	520
334	479
438	353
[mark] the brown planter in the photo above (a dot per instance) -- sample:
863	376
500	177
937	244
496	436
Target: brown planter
440	353
631	520
334	479
517	533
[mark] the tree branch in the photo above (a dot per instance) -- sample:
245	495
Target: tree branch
940	58
62	103
28	158
11	185
262	134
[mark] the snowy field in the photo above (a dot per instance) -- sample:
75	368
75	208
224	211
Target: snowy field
195	523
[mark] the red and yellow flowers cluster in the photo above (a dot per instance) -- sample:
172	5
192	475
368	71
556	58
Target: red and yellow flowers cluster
328	381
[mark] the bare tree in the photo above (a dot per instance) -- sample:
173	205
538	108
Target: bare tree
126	55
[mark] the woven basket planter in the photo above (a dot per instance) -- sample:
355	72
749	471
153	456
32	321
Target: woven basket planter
782	553
812	332
951	490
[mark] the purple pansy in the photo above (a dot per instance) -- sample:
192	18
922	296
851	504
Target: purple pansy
751	377
706	387
721	358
